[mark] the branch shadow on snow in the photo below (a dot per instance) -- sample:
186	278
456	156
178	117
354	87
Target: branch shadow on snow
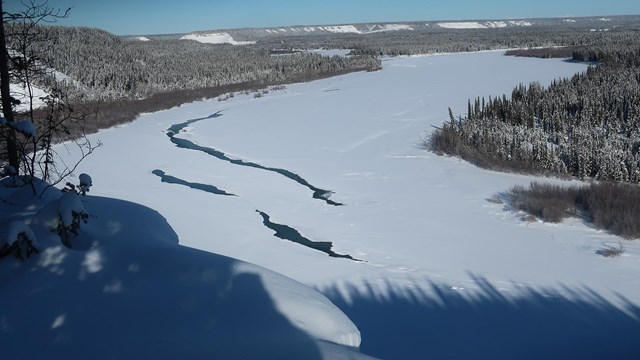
443	323
140	298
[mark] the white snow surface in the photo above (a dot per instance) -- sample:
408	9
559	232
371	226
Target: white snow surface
22	93
16	228
68	204
215	38
482	25
345	29
340	29
440	259
142	38
85	182
462	25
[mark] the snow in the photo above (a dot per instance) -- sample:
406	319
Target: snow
444	268
483	25
16	228
520	23
128	282
461	25
331	52
496	24
569	20
68	204
388	27
340	29
396	27
21	93
215	38
142	38
85	182
26	127
344	29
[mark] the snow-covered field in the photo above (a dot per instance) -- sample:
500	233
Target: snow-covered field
443	270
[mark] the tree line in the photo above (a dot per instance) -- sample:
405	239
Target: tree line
587	126
98	65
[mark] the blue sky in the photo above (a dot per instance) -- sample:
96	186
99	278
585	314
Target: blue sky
146	17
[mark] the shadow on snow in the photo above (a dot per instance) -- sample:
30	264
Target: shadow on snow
442	323
143	298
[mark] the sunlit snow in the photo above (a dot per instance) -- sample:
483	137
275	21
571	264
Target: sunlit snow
215	38
482	25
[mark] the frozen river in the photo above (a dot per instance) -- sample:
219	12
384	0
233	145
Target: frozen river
337	162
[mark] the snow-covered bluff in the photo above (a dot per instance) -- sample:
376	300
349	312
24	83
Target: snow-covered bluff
215	38
128	290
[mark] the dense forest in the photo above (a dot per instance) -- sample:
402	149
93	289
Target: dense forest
587	126
102	66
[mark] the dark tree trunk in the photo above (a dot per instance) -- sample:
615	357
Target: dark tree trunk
12	149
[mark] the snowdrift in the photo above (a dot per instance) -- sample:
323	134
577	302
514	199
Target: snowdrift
135	293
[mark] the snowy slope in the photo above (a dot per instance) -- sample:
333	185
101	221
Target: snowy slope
430	239
340	29
483	25
22	93
388	27
129	291
215	38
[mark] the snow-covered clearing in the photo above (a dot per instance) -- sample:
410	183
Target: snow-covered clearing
388	27
445	271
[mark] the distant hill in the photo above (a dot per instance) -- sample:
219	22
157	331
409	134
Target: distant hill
252	35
